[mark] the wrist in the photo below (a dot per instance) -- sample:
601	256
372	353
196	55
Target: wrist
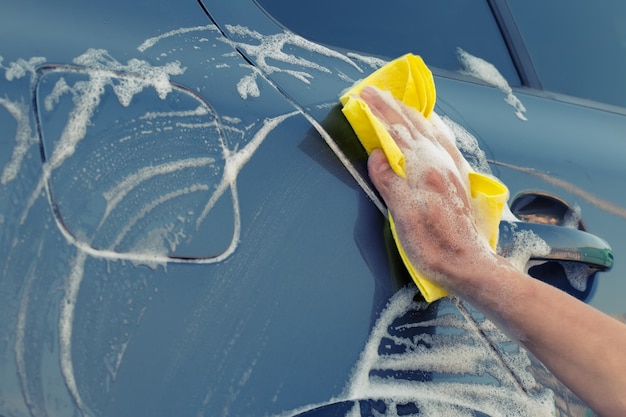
485	278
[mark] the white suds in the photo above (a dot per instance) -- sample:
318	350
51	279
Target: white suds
140	74
19	347
453	352
236	161
247	86
60	89
526	245
487	72
573	217
469	147
24	138
159	256
373	62
21	67
150	42
66	325
104	71
577	275
199	111
273	47
87	94
116	194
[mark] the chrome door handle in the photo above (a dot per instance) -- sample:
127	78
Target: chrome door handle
566	244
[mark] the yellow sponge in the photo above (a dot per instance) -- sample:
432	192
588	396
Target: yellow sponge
410	81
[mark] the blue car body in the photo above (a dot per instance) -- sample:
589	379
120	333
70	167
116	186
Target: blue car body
188	228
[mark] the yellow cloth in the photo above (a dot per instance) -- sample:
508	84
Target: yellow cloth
410	81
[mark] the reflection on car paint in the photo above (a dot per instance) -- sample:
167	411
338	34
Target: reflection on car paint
129	80
602	204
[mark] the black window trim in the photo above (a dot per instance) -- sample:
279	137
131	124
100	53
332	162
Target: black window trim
515	44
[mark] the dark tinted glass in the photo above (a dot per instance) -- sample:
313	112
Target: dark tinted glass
578	47
432	29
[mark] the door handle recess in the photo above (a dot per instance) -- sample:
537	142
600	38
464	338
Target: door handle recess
560	226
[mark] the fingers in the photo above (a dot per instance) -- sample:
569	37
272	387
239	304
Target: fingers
389	111
446	138
445	134
383	105
419	122
408	126
404	123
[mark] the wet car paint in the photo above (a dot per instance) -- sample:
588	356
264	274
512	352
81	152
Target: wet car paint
288	273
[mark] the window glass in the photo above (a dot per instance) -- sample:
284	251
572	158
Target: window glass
578	47
432	29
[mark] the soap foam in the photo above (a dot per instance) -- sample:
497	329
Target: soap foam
150	42
199	111
160	256
526	245
372	62
104	71
235	161
60	89
418	150
487	72
24	138
577	274
247	86
87	94
453	351
21	67
66	325
265	47
19	345
139	74
573	217
116	194
469	147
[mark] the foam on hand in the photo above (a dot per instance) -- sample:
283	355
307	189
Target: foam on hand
487	72
409	80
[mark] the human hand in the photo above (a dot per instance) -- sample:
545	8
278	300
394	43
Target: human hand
432	211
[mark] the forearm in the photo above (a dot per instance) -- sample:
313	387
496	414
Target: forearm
583	347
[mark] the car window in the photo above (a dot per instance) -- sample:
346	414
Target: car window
577	47
435	30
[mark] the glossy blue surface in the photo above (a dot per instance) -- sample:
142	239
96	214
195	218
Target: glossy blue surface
585	56
179	238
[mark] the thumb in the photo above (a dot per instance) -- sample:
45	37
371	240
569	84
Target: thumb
382	175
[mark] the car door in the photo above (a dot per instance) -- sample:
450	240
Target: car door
183	237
